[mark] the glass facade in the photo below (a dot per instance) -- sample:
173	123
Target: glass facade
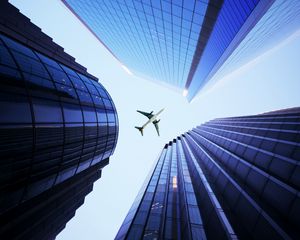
184	43
154	39
277	24
230	178
56	124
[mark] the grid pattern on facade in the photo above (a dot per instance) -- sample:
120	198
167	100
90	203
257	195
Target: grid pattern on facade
281	20
156	39
54	123
185	43
235	178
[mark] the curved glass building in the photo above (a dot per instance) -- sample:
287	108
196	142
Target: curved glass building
58	127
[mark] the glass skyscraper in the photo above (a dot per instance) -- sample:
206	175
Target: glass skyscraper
184	43
230	178
58	128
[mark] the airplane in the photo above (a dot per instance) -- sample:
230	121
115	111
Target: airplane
152	119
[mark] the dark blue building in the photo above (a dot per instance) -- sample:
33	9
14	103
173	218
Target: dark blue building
230	178
185	43
58	128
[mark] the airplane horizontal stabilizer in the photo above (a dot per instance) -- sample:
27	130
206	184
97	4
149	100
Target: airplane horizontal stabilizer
140	129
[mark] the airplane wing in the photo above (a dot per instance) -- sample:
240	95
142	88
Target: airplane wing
148	115
156	126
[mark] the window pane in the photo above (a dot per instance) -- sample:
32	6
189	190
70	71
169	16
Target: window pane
59	76
69	71
78	84
48	61
14	109
66	91
98	101
46	111
107	103
27	64
89	114
72	113
84	78
92	89
5	57
100	89
101	113
110	116
84	97
9	72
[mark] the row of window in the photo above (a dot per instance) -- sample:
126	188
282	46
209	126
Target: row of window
264	189
58	94
232	192
273	145
262	133
277	166
272	125
270	117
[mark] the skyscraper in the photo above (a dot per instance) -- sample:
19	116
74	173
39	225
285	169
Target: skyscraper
185	43
58	128
229	178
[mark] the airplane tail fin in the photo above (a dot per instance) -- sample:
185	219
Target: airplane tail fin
140	129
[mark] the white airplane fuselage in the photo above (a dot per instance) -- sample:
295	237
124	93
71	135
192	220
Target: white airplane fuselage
151	120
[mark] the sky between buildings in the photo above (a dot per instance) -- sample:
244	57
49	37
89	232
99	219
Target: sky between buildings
270	82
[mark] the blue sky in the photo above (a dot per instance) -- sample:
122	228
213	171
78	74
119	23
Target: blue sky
267	83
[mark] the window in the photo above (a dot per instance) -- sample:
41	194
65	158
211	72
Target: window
153	222
101	113
98	101
84	97
30	65
59	76
5	57
14	109
191	199
141	217
46	111
69	71
107	103
78	84
111	128
91	89
9	72
100	89
135	232
65	174
194	215
110	116
89	114
72	113
66	91
48	61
